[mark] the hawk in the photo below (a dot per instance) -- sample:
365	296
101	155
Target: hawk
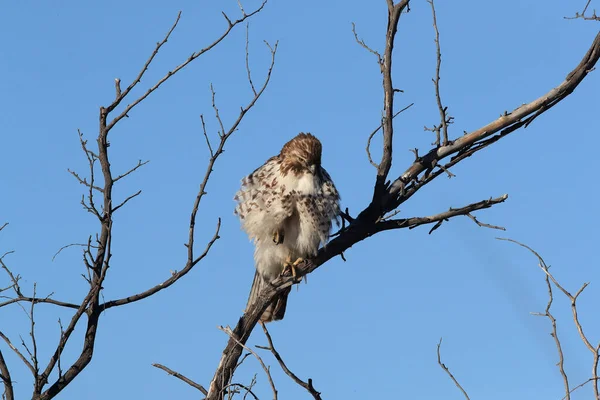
286	207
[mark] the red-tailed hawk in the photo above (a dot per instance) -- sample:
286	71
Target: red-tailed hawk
286	207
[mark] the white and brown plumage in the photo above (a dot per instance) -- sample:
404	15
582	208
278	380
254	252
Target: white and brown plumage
286	207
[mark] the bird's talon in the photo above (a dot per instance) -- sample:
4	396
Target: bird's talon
278	237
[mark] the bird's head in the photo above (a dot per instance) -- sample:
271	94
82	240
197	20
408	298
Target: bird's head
301	155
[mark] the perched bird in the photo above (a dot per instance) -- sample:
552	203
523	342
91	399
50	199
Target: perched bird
286	207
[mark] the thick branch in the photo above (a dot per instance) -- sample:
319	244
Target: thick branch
394	12
6	379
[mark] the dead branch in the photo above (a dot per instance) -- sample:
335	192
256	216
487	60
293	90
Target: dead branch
139	164
582	15
443	366
165	284
38	300
192	260
373	163
483	225
169	74
18	353
394	12
267	370
366	47
405	186
70	245
387	197
126	200
6	379
306	385
182	377
248	59
580	386
413	222
444	118
98	264
595	350
13	278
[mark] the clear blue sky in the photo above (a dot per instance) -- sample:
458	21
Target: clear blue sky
367	328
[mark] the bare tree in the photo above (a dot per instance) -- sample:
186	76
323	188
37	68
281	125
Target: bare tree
389	192
98	200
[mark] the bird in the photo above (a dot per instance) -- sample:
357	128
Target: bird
286	206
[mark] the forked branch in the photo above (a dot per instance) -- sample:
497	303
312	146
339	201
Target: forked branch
595	350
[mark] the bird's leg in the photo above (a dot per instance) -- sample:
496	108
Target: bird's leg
291	265
287	263
278	236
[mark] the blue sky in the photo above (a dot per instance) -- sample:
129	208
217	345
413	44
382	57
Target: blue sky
366	328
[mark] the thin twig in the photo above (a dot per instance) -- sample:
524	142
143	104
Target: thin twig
580	386
248	59
439	358
169	74
212	154
483	225
373	163
364	45
306	385
182	377
139	164
70	245
126	200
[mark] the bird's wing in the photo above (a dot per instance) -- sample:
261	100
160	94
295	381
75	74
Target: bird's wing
264	202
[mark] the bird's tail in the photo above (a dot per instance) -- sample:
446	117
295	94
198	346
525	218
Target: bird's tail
276	310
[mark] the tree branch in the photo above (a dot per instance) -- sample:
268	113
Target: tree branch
394	12
182	377
18	353
444	118
267	370
443	366
306	385
169	74
192	260
387	198
573	298
439	218
6	379
408	183
373	163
